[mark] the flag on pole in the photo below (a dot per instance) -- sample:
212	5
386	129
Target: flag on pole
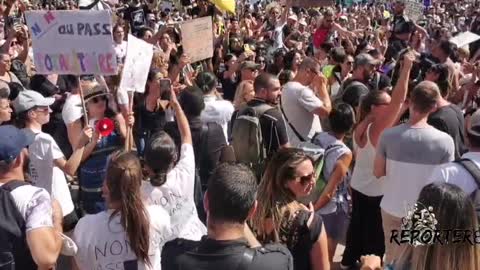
225	5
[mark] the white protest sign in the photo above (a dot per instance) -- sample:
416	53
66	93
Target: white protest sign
166	5
197	38
414	9
464	39
137	64
72	42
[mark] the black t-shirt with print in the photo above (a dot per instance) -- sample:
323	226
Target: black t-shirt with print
136	16
209	254
298	236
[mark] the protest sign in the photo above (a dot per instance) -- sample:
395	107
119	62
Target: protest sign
464	39
137	64
164	5
72	42
197	38
312	3
414	9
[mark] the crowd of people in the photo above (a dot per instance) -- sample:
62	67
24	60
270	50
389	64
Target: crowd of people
310	129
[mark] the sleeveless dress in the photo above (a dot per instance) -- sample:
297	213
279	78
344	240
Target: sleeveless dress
92	173
365	231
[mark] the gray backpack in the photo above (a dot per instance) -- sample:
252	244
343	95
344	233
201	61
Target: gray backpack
247	138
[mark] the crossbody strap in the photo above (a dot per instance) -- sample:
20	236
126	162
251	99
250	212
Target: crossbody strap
470	166
300	137
247	259
13	184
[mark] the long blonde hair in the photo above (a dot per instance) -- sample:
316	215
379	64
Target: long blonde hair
276	201
239	99
453	210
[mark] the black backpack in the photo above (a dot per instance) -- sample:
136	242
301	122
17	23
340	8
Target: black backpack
470	166
14	251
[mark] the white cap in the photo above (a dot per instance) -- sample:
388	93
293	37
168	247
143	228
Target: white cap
27	99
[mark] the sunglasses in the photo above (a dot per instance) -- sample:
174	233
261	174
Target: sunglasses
314	71
98	99
307	178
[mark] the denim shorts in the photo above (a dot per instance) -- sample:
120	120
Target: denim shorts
336	225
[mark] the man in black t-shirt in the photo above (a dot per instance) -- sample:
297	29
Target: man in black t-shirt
229	244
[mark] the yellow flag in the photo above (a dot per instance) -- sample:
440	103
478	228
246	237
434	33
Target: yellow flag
225	5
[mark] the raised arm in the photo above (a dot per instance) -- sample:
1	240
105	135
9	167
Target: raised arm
286	11
182	120
399	96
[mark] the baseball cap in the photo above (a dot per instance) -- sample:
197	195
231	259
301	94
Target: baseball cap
293	17
27	99
12	142
364	59
249	65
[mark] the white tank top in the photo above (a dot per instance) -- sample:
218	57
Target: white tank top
363	179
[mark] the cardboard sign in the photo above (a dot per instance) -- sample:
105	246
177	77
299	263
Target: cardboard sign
72	42
312	3
197	38
137	64
414	9
465	38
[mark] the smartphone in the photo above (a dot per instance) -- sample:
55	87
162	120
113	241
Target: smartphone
165	85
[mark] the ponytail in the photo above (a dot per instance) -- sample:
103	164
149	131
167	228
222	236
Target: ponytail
160	157
124	176
158	179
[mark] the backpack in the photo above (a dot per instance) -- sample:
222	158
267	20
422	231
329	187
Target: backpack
319	155
201	177
14	251
471	168
349	97
247	138
190	250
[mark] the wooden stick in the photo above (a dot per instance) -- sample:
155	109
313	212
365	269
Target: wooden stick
84	108
129	139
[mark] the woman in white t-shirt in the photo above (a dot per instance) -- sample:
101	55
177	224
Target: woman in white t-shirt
120	45
129	235
172	179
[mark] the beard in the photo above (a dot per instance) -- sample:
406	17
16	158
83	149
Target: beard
26	167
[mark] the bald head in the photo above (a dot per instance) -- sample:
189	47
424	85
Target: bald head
309	64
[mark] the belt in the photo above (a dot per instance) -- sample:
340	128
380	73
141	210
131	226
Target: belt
92	190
